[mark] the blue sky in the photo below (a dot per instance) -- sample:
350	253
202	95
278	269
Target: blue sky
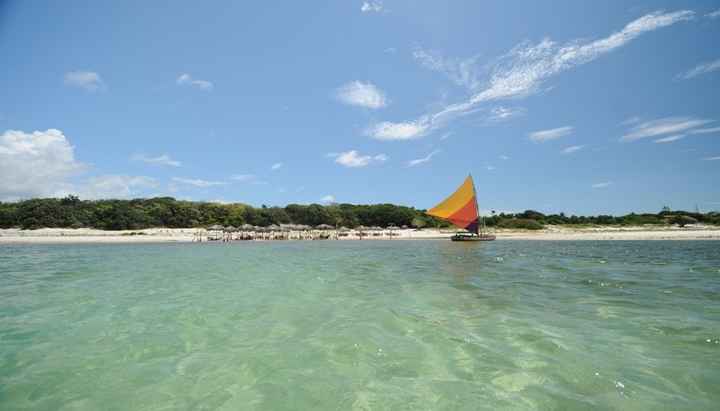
580	107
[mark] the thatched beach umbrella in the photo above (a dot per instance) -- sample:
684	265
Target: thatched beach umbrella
324	227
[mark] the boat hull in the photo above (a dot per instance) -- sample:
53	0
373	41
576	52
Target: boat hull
483	237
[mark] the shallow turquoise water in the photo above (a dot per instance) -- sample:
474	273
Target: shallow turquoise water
361	325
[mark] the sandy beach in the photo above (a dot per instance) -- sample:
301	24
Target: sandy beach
555	233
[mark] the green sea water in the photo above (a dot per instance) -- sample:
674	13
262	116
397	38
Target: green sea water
361	325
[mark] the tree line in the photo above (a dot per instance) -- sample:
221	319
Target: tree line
72	212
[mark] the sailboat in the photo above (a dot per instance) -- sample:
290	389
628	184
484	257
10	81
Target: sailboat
461	209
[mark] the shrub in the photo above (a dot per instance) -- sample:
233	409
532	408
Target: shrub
522	223
682	220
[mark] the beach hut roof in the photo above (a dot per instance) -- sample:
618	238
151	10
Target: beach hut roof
215	227
247	226
343	228
230	229
324	227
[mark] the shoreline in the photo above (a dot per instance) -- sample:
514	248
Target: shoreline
189	235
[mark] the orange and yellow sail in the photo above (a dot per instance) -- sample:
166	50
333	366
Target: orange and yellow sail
460	208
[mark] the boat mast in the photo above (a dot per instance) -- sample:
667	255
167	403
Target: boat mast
481	220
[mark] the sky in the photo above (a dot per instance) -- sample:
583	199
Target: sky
579	107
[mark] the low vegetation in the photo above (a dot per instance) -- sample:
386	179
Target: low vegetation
71	212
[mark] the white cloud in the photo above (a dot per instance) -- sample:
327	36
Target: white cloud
669	139
490	168
35	164
187	79
602	185
572	149
196	182
354	159
162	160
42	163
276	166
371	6
461	72
399	131
501	113
445	136
390	50
88	80
551	134
328	199
662	126
357	93
114	186
704	68
714	14
523	70
417	162
711	158
504	157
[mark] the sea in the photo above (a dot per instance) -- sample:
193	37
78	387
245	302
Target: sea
361	325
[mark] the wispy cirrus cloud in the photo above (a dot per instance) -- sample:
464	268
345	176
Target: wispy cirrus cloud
161	160
354	159
698	70
247	178
504	157
571	149
551	134
500	113
86	80
523	71
389	131
463	73
357	93
419	161
196	182
665	126
371	6
669	139
705	130
186	79
604	184
713	14
276	166
711	158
